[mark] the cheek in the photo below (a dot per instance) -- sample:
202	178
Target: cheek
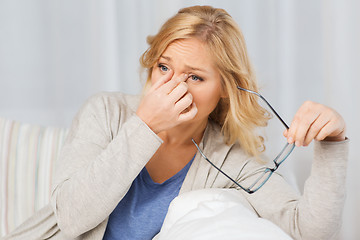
205	99
154	77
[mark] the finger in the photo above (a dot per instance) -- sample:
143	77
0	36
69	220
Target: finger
291	132
179	91
325	131
285	133
303	127
292	129
333	128
189	114
315	129
161	81
170	85
184	102
304	116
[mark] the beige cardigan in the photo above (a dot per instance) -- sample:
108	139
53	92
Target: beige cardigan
108	145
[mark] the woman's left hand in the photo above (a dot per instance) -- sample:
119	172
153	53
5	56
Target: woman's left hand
315	121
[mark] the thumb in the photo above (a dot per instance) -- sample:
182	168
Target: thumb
285	133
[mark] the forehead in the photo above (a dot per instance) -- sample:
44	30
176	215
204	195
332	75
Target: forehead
189	51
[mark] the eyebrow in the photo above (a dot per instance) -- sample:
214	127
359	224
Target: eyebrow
187	66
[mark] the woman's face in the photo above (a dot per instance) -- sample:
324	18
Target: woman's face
191	57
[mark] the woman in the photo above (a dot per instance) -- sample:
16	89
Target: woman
127	157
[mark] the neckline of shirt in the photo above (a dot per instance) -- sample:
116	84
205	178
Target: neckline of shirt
149	181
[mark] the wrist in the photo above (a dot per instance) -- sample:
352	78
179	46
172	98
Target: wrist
146	121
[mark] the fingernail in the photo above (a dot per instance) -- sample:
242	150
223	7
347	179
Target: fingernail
298	144
290	140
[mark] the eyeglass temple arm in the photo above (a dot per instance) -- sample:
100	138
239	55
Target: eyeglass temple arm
202	154
267	103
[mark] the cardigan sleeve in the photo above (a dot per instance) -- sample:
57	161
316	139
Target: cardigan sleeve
107	147
317	214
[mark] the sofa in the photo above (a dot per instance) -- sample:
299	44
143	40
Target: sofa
27	157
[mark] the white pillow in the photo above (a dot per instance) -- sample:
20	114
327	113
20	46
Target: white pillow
215	214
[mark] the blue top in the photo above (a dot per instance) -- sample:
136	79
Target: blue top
141	213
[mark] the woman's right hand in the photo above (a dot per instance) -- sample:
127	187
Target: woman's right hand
163	106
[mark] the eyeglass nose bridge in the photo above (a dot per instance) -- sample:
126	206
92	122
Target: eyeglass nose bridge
272	169
263	181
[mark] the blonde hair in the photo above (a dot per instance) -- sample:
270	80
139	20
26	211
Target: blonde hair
239	114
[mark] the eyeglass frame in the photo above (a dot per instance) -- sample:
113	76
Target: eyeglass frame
267	169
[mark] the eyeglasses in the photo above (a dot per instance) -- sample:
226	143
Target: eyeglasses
264	174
